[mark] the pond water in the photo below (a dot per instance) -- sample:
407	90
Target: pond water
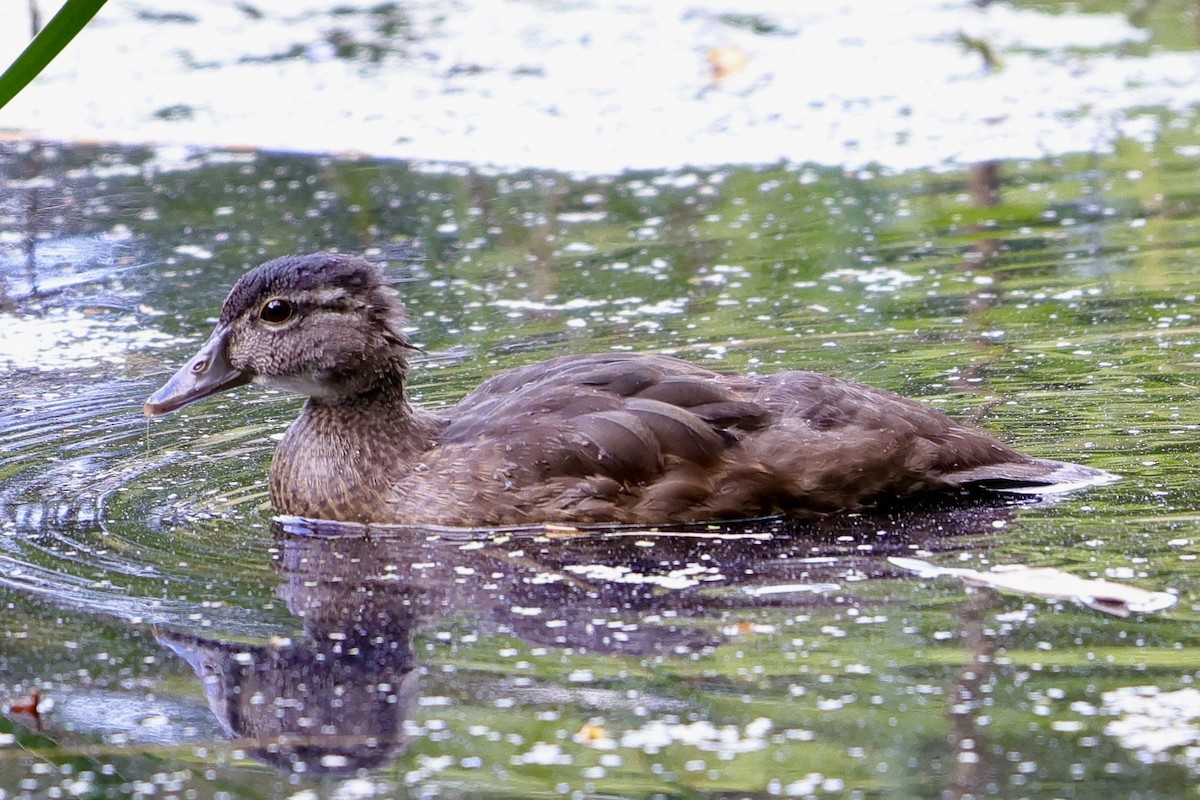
183	643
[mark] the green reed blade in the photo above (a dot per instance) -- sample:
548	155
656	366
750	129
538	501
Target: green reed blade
69	20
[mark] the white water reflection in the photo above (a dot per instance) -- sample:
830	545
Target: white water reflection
67	338
605	86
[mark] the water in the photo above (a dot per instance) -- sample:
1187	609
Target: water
609	85
185	643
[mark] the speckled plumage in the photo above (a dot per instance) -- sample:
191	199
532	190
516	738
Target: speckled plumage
598	438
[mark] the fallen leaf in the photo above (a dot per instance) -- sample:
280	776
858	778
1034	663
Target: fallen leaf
28	707
589	733
726	61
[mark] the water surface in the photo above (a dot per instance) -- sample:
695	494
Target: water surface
185	643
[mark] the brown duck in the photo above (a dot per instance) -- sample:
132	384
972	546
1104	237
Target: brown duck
596	438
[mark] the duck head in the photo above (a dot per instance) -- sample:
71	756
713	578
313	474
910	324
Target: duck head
324	325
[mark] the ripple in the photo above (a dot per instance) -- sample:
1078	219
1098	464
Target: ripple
101	512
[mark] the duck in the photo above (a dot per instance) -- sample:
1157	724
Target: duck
614	437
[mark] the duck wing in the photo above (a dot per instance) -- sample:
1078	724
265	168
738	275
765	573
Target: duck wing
579	437
643	438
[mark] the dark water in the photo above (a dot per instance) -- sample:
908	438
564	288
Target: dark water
185	644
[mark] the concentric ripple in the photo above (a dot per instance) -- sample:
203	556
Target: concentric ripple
101	512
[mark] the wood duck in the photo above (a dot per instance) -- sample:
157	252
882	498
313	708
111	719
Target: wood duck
612	437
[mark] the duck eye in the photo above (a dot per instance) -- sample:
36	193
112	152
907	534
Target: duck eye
276	311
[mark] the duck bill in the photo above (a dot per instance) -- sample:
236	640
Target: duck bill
207	373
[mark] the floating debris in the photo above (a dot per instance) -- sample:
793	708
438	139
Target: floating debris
1155	724
725	61
28	707
1112	598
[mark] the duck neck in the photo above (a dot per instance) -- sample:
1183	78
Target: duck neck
380	419
341	455
385	401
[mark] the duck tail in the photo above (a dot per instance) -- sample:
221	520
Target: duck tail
1037	476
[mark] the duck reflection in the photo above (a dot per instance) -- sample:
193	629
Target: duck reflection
334	702
337	700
